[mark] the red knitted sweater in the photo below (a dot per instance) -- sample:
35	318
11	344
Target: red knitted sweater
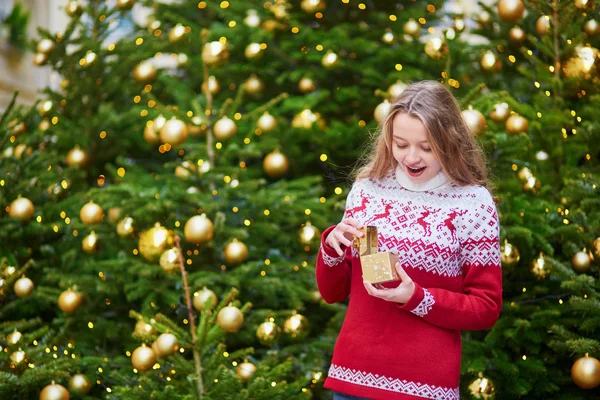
447	240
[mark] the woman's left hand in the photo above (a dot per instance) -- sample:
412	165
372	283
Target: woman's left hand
400	294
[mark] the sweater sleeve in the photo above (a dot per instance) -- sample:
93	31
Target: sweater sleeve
478	306
333	271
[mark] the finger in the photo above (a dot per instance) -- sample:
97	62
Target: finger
352	222
370	289
402	273
337	248
342	239
379	286
348	228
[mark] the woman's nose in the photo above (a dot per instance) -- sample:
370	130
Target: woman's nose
413	156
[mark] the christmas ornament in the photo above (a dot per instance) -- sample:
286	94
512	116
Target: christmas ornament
275	164
54	391
236	252
125	5
305	119
174	132
316	296
596	248
382	110
541	156
143	358
182	60
591	27
330	60
185	169
150	134
538	267
253	85
198	229
22	149
267	333
524	174
230	319
45	46
90	59
412	28
166	344
252	19
14	336
509	254
178	33
76	157
114	214
581	262
69	301
144	72
79	383
45	108
436	48
517	35
516	124
17	128
213	85
459	24
581	3
388	38
225	128
154	241
74	8
40	59
214	52
18	357
586	372
199	125
245	371
23	287
532	185
266	122
542	25
397	89
582	65
142	328
253	51
169	261
475	120
306	85
500	113
309	236
21	208
313	6
484	18
272	26
510	10
296	326
204	299
482	388
126	227
489	62
91	213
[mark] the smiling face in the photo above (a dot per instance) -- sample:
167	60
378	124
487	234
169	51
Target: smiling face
412	150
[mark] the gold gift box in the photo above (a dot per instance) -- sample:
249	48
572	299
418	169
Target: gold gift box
376	267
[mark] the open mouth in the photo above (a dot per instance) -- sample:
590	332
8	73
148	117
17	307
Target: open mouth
415	171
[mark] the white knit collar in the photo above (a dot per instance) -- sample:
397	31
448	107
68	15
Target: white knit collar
437	181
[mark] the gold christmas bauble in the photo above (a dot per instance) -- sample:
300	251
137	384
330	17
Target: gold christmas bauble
500	113
174	132
142	328
21	208
532	185
114	214
581	262
509	254
266	122
586	372
482	388
306	85
91	213
517	35
511	10
143	358
155	241
489	62
581	3
213	85
23	287
150	134
166	344
538	267
236	252
591	27
436	48
253	85
313	6
17	128
459	24
90	243
388	38
69	301
169	261
475	120
144	72
382	110
583	64
484	18
198	229
596	248
76	157
305	119
40	59
412	28
79	383
230	319
178	33
74	8
397	89
516	124
90	59
198	126
267	333
309	236
225	128
204	299
253	51
46	108
185	169
126	227
245	371
54	391
125	5
45	46
14	337
275	164
542	25
22	149
18	357
330	60
214	52
252	19
524	174
296	326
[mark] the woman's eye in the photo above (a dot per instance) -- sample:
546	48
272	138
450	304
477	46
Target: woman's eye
427	150
401	147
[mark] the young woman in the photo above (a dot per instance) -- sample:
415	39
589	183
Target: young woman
424	186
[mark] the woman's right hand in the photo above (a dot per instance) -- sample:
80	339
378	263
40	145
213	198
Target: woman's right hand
343	234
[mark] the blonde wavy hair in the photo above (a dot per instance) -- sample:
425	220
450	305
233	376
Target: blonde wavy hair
453	144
